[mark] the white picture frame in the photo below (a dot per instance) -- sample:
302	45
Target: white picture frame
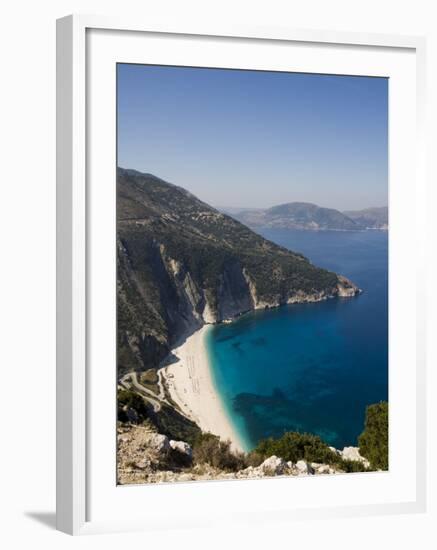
74	391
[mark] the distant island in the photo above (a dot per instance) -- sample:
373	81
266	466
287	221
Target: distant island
308	216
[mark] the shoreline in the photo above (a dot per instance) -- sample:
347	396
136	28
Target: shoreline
190	385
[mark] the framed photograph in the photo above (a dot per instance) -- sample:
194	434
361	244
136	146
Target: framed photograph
240	275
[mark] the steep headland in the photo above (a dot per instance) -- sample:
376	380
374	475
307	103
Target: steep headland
182	263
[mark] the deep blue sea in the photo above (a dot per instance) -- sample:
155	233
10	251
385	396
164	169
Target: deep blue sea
310	367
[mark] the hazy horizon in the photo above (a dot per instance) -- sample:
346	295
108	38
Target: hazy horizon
240	208
252	139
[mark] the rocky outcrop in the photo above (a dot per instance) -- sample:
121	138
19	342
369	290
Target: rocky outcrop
182	447
323	468
158	444
304	468
273	466
145	456
353	453
345	288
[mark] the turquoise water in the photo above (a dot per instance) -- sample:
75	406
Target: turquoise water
310	367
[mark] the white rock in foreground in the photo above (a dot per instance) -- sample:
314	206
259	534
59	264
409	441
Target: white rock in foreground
304	468
182	447
322	468
273	466
159	443
353	453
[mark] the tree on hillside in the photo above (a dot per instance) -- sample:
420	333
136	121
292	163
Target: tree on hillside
373	442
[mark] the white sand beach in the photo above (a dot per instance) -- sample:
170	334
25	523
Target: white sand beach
190	385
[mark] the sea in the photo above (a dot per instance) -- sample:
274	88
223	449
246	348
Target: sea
310	367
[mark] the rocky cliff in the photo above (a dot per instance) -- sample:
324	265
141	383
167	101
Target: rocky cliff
181	264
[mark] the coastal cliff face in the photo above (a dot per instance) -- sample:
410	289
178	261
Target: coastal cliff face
182	264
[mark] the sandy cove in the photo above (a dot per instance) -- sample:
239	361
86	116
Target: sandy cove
189	382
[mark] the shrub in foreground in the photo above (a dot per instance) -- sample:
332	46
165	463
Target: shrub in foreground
175	426
167	420
209	449
295	446
127	399
373	442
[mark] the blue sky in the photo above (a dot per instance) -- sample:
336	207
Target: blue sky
256	139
